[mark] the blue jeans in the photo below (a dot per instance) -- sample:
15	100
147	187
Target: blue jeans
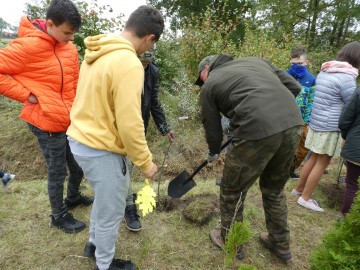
57	154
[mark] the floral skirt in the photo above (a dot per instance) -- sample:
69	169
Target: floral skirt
328	143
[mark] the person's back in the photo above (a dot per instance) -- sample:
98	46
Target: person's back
104	72
334	87
253	97
107	128
259	99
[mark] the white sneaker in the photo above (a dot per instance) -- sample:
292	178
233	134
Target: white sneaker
310	204
294	192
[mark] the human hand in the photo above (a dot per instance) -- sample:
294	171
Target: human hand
152	171
212	157
32	99
171	136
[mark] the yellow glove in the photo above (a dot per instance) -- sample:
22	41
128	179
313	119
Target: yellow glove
146	199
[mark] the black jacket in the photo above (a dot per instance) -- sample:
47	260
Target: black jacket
150	100
349	124
258	98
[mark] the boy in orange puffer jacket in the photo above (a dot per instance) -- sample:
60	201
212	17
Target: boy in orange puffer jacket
40	69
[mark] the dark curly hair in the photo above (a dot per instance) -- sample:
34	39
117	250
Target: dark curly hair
61	11
146	20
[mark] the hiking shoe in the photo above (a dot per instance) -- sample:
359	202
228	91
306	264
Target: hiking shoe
118	264
89	250
294	192
85	200
218	182
67	223
283	254
294	175
6	179
218	240
132	218
310	204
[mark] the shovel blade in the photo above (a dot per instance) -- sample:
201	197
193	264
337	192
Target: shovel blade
180	185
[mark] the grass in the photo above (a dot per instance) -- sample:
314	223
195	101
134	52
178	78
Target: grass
168	240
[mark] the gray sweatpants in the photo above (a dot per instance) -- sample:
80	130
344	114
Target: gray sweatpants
109	178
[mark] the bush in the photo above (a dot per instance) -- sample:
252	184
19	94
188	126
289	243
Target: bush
340	248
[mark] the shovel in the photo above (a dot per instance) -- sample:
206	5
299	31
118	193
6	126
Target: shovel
182	183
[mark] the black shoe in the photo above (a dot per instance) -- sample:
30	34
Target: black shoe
85	200
89	250
132	218
294	175
68	223
218	182
6	179
118	264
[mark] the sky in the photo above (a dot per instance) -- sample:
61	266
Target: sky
12	10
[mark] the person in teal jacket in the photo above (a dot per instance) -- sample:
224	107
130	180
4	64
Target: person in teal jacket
304	100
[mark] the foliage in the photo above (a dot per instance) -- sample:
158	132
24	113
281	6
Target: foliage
206	35
340	248
146	199
3	26
180	11
182	99
317	23
168	59
239	234
94	21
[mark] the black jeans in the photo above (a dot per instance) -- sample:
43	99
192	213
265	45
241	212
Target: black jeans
56	151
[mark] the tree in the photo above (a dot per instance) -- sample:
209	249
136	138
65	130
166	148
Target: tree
181	11
3	26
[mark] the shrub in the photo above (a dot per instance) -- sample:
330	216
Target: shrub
340	247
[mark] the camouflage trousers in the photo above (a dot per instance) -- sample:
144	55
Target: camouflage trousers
268	159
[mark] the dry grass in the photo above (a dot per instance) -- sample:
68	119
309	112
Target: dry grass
168	240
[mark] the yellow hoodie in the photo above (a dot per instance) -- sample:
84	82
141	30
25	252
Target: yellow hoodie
106	113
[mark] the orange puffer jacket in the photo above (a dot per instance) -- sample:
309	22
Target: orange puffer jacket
36	64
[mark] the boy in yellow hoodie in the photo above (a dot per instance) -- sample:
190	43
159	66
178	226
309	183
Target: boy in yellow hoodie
107	127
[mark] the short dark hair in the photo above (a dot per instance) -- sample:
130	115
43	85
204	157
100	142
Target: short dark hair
297	52
61	11
146	20
350	53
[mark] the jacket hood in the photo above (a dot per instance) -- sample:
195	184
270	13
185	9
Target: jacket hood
28	29
96	46
339	67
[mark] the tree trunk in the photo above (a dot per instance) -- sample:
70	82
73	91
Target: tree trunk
312	34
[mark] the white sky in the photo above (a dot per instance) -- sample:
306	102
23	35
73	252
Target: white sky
12	10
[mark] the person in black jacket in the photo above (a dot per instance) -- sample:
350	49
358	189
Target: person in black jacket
150	103
349	124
